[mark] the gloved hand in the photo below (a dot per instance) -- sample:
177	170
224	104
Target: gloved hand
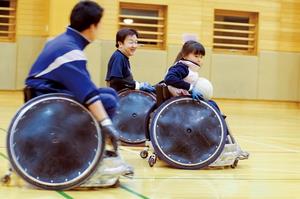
196	94
144	86
110	132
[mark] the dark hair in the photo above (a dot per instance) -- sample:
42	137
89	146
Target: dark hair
190	47
123	33
84	14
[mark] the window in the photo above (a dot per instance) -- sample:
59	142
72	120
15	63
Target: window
148	20
235	31
7	20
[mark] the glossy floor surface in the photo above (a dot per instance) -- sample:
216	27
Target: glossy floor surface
270	131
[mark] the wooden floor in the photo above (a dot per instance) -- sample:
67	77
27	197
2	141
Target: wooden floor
270	131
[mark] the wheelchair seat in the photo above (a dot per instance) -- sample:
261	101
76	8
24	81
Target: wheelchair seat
162	93
187	134
29	93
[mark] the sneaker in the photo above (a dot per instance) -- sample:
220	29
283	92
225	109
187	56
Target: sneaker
109	171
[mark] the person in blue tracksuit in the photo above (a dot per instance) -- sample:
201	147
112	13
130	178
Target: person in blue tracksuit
61	67
119	74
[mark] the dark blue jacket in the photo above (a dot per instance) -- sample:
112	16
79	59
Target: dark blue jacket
61	67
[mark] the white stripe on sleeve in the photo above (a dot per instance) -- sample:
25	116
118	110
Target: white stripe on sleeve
89	101
74	55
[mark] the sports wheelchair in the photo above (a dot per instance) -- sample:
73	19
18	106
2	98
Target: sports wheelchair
55	143
183	132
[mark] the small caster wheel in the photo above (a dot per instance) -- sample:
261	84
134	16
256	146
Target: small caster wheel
5	179
152	160
144	154
235	163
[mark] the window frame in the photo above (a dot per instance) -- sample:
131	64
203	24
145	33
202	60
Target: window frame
252	32
11	24
160	34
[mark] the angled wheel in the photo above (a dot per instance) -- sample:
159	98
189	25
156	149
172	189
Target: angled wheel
5	179
54	142
187	134
144	154
132	115
152	160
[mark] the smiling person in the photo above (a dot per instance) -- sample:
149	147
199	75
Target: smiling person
119	74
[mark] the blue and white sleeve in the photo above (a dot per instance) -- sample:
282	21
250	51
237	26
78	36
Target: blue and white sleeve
175	77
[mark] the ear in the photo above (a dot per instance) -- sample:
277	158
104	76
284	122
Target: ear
93	27
120	43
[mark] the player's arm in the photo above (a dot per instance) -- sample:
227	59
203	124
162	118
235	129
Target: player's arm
97	109
175	77
121	83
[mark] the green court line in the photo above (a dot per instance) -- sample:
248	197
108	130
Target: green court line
64	194
2	129
2	155
59	192
133	192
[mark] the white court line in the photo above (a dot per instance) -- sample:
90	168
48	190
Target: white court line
270	145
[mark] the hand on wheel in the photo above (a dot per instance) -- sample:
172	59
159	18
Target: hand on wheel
144	86
110	131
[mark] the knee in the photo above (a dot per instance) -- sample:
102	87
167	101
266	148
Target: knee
109	91
109	101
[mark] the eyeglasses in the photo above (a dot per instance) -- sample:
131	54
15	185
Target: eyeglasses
131	42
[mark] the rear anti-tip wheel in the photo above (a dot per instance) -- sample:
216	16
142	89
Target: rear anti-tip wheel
235	163
144	154
152	160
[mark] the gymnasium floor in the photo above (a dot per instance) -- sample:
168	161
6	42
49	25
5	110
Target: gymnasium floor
270	131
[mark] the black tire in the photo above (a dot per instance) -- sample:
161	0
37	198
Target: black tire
20	165
152	161
6	179
132	121
164	121
144	154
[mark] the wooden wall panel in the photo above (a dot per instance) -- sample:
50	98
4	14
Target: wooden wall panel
234	76
28	50
59	13
279	24
279	31
144	68
32	17
8	53
299	87
184	17
278	76
278	21
109	22
108	49
94	56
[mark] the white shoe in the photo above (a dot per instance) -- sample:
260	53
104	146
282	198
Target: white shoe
109	171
